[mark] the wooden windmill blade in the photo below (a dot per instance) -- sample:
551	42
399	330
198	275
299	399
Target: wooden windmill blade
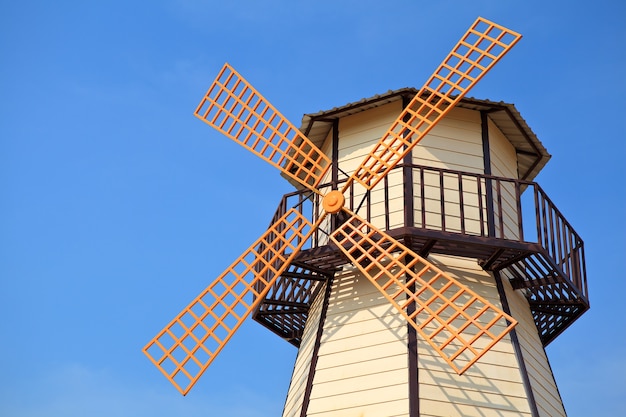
238	110
186	347
460	339
457	322
482	46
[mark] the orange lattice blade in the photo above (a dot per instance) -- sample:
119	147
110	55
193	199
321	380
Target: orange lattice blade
185	348
236	109
479	49
457	322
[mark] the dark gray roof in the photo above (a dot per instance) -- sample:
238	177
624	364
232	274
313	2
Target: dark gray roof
532	156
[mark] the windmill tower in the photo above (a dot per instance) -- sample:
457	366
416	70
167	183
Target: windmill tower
420	274
465	200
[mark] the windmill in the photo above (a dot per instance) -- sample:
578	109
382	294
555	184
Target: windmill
288	277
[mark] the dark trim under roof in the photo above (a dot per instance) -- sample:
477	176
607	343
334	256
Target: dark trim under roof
532	155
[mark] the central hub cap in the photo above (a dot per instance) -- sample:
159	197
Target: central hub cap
333	201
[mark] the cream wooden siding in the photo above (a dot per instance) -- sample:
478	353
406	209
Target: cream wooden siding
504	164
542	380
362	362
395	202
358	134
297	386
454	143
492	386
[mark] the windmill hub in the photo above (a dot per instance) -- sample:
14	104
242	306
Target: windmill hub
333	201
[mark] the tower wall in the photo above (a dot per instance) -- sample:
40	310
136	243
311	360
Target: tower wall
361	358
545	391
302	367
493	386
455	143
358	135
361	367
361	355
546	395
504	164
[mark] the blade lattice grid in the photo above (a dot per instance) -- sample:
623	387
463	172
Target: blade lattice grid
479	49
185	348
236	109
457	322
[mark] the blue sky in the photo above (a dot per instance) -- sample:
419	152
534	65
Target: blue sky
117	206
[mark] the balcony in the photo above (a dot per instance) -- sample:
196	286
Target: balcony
507	225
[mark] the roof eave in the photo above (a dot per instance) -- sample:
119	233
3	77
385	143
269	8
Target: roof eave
532	155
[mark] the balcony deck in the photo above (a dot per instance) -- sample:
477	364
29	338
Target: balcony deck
507	225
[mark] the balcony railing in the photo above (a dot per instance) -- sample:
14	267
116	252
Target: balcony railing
511	225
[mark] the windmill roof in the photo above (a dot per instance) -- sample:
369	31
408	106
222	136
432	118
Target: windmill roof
532	155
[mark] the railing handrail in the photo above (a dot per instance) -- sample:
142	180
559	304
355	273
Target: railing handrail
553	232
522	183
